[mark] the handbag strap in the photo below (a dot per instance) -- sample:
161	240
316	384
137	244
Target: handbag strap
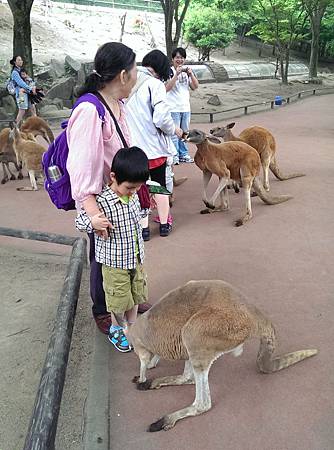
118	129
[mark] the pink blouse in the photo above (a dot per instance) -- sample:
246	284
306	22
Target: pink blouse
92	148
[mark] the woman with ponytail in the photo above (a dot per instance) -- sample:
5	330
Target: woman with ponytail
23	102
93	145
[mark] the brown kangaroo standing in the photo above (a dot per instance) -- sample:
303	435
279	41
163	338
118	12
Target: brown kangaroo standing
198	323
38	127
237	161
264	143
30	154
7	155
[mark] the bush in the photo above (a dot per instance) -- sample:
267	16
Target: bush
208	29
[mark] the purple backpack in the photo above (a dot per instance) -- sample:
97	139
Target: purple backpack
56	155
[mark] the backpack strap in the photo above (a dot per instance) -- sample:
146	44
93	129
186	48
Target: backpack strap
118	129
91	98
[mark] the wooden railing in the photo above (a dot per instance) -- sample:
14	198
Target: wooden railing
271	103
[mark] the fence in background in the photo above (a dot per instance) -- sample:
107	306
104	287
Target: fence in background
141	5
246	109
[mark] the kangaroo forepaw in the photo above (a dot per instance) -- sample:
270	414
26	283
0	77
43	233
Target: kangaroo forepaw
12	177
20	176
4	181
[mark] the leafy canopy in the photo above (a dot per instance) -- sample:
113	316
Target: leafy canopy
209	28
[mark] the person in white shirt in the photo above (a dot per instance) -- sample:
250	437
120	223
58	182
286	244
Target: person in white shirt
152	127
179	100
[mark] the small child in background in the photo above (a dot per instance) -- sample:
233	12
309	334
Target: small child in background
29	81
119	245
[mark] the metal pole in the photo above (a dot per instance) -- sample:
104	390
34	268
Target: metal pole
43	424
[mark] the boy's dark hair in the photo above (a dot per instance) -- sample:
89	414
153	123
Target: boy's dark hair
110	59
130	164
159	63
179	50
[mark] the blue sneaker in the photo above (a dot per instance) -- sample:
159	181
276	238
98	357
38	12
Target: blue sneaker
117	337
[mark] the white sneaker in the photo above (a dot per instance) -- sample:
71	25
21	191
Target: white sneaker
186	159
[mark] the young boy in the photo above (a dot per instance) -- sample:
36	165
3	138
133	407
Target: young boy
121	249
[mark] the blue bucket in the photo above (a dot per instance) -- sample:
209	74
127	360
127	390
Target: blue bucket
278	100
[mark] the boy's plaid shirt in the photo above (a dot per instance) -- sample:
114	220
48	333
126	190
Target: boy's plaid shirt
119	250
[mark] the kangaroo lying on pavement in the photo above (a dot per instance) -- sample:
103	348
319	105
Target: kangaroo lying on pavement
230	160
30	154
38	127
264	143
199	322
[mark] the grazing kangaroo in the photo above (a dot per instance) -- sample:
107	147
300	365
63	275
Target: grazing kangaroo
7	155
237	161
30	154
264	143
38	127
199	322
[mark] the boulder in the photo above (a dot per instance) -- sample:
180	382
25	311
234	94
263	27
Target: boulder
3	92
85	70
51	111
214	100
9	104
58	66
5	116
48	74
62	89
72	63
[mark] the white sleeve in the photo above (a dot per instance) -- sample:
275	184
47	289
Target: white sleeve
162	118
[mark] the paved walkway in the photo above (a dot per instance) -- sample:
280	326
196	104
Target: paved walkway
282	260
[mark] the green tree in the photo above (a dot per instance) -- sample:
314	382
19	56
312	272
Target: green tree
315	10
21	10
280	23
241	12
174	14
208	29
327	33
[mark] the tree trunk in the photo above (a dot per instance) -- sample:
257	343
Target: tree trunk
315	27
22	31
171	14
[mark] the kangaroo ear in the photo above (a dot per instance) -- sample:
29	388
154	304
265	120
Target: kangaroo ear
230	125
213	139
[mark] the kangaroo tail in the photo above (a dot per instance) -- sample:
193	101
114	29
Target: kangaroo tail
50	134
278	174
266	363
265	197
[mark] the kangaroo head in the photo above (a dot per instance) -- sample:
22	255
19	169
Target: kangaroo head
222	131
198	137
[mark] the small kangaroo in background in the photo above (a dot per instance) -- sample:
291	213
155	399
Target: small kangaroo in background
264	143
30	154
7	155
38	127
199	322
235	161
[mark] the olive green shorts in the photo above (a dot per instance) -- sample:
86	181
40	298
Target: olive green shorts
124	288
